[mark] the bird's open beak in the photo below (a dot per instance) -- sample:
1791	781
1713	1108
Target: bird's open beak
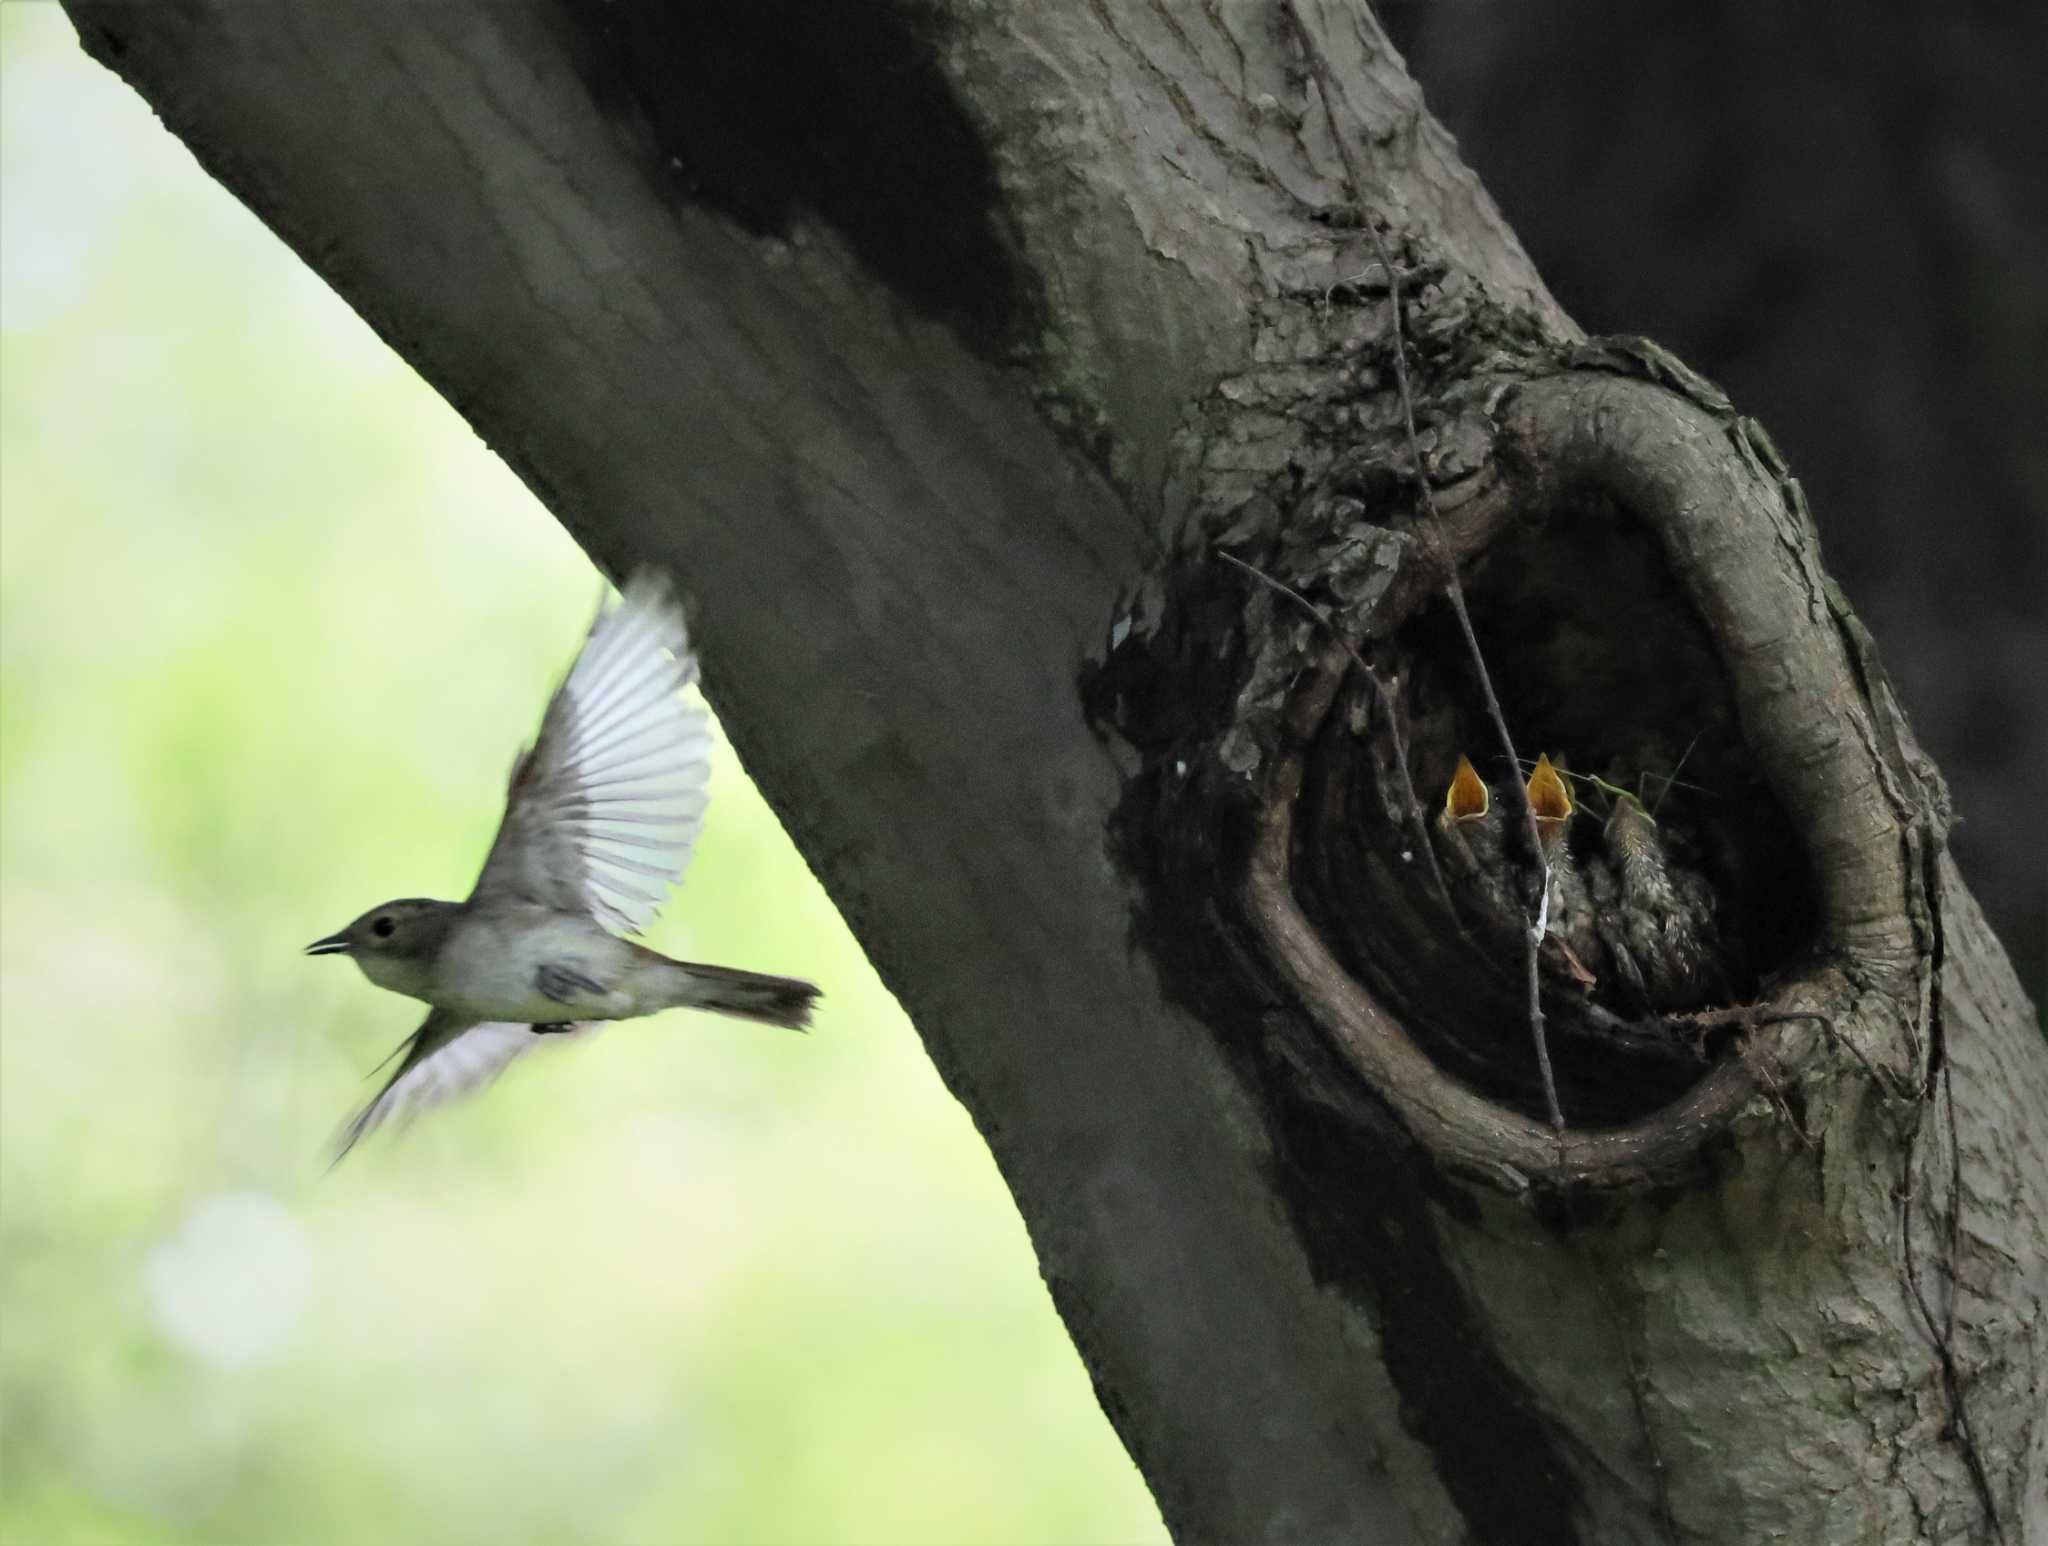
334	944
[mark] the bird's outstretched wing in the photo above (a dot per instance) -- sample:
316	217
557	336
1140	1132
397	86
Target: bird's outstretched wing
444	1060
604	807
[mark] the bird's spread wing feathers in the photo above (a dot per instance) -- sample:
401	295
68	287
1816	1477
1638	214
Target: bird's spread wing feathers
444	1060
605	806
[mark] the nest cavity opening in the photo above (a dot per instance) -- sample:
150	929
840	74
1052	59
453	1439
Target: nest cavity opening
1602	663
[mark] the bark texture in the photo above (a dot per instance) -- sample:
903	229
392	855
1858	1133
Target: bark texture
938	351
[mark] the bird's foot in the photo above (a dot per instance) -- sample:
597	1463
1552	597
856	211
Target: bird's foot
554	1028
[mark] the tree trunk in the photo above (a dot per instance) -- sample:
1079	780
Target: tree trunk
940	353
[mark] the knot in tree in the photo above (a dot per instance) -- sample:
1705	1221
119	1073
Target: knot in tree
1716	823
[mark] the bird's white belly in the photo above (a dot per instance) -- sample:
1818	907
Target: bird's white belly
492	973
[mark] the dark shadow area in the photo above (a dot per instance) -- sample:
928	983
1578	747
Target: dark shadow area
770	109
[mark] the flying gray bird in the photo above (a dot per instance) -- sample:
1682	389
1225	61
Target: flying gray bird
599	821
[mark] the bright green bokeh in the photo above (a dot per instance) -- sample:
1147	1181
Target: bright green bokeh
272	625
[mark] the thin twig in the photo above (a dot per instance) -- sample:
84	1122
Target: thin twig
1944	1338
1885	1083
1615	791
1454	591
1650	1038
1940	1334
1938	1086
1774	1093
1606	1268
1955	1203
1387	710
1671	780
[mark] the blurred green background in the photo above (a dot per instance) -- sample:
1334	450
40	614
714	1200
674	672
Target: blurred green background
272	624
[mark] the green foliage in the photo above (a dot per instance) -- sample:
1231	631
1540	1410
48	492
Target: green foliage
272	626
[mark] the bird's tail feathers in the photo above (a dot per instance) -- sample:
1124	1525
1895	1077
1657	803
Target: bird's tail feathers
757	996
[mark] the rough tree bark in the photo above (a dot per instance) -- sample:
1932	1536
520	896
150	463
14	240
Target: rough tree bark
940	351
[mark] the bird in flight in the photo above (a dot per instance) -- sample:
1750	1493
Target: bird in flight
599	821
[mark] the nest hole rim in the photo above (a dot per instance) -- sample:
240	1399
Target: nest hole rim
1661	458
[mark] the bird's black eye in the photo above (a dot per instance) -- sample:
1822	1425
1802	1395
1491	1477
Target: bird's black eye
383	928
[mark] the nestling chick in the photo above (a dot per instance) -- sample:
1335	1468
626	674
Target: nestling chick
1572	945
1470	843
1662	932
